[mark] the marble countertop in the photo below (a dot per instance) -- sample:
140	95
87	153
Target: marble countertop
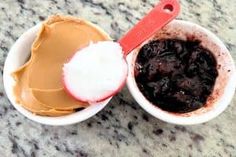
122	129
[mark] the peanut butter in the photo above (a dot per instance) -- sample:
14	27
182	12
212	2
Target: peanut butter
39	86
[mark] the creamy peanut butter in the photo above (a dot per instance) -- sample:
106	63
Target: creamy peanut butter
39	86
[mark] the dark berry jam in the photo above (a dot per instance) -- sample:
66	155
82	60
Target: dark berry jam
175	75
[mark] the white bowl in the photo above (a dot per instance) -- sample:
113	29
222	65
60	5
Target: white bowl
224	86
17	56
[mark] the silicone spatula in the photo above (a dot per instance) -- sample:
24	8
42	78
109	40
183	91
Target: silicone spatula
99	71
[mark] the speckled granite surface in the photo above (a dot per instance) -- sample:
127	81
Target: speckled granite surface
122	129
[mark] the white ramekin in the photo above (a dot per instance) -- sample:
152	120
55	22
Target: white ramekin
17	56
224	86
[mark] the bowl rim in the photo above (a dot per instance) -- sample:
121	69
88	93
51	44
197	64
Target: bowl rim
27	39
183	120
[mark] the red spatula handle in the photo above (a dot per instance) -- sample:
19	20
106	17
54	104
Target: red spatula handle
159	16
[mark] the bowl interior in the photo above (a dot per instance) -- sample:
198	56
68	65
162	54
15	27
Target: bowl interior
17	56
224	86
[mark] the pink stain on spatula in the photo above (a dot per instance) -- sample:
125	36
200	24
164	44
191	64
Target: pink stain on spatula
99	71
